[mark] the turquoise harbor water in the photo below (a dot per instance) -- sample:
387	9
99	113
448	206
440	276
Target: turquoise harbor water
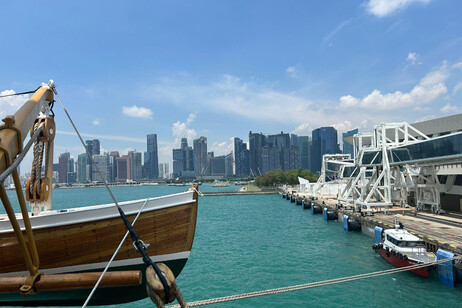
251	243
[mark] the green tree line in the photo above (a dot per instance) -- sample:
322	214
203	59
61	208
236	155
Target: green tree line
279	177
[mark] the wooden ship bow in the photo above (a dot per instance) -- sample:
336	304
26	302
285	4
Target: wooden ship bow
57	257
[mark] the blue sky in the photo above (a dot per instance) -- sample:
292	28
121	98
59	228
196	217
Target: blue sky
222	68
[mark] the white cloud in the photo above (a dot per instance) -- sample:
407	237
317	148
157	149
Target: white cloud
412	57
293	71
182	129
382	8
221	148
9	105
96	122
328	38
231	95
457	87
449	109
430	87
264	103
137	112
303	129
457	65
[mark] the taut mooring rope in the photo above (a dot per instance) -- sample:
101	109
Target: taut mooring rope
312	284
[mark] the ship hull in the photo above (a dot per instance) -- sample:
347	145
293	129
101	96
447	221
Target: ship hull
400	262
84	239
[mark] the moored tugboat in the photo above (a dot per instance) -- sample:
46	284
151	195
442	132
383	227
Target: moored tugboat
401	249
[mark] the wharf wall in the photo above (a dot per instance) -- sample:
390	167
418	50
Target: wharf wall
431	228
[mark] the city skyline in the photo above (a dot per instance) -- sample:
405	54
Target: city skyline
262	153
220	69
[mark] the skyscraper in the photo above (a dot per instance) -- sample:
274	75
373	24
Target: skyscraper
240	157
63	166
229	164
178	162
95	147
183	160
256	142
347	147
112	160
123	168
135	165
163	170
304	146
324	141
217	166
102	163
152	163
272	152
200	156
82	168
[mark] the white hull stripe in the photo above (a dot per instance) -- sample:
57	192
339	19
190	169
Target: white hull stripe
102	265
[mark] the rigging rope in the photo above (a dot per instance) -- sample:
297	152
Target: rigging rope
21	155
312	284
20	93
137	242
36	171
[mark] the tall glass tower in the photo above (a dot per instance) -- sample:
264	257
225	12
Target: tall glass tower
152	163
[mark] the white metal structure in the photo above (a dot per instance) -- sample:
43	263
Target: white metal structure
396	159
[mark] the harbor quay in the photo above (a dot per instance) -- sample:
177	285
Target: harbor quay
438	232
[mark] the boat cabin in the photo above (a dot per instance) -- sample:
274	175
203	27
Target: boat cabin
402	240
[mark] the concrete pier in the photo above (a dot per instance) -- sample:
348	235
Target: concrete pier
437	231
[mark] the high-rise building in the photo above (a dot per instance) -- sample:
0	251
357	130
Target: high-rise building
112	160
294	141
163	170
70	165
256	142
324	141
240	157
89	144
102	163
82	168
184	143
272	152
123	168
178	162
96	147
229	164
290	158
304	147
189	159
183	160
200	156
71	177
135	165
93	147
63	166
348	147
270	159
217	166
152	163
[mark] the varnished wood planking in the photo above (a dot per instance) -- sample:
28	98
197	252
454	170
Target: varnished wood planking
167	230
